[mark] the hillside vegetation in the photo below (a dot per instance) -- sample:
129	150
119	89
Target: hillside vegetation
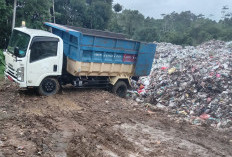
183	28
1	63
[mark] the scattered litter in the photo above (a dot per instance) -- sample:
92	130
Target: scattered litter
205	116
150	112
192	81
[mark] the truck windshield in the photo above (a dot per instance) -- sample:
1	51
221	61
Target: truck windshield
20	40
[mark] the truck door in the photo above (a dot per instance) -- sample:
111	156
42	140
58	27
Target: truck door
43	60
145	59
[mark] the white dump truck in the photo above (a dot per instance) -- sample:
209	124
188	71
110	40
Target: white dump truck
82	57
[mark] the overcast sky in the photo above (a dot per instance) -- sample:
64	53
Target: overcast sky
154	8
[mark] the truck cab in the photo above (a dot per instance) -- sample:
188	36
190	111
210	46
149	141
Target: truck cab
33	55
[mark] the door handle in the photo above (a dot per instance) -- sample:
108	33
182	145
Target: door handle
55	68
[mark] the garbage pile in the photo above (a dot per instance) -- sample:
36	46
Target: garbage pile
195	82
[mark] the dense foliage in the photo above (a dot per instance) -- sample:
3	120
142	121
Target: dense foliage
94	14
5	24
1	62
183	28
34	12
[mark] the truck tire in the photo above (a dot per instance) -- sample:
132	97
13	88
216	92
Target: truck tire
120	89
49	86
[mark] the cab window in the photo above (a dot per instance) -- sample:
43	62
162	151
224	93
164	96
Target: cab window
19	40
43	49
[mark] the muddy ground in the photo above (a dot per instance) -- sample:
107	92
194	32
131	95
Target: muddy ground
88	123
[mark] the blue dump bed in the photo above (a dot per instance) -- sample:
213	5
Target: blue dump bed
92	46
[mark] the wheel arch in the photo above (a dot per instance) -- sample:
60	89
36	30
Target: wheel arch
114	80
44	77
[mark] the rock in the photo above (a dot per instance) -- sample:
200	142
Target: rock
21	152
160	106
139	100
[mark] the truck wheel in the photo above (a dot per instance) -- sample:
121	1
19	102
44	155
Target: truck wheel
49	86
120	88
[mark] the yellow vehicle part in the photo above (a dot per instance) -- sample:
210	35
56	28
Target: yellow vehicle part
113	80
99	69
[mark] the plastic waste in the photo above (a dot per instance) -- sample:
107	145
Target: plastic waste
198	83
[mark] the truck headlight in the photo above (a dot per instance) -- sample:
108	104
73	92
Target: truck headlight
20	74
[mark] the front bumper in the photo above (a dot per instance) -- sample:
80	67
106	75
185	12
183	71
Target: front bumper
13	79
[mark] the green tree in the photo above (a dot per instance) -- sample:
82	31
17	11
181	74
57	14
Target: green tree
114	25
70	12
183	28
130	21
85	13
98	14
1	63
117	8
146	34
34	12
5	23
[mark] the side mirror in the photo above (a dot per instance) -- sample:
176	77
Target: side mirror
16	51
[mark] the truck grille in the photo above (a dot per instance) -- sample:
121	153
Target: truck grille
11	71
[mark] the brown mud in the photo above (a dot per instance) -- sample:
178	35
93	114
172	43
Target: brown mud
97	123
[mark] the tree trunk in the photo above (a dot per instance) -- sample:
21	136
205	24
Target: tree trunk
14	14
54	16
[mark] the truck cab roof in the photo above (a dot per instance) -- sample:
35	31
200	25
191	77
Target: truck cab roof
35	32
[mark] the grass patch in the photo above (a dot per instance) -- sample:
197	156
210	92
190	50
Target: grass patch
2	70
1	65
1	74
1	78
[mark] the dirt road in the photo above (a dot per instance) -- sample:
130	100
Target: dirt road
96	123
